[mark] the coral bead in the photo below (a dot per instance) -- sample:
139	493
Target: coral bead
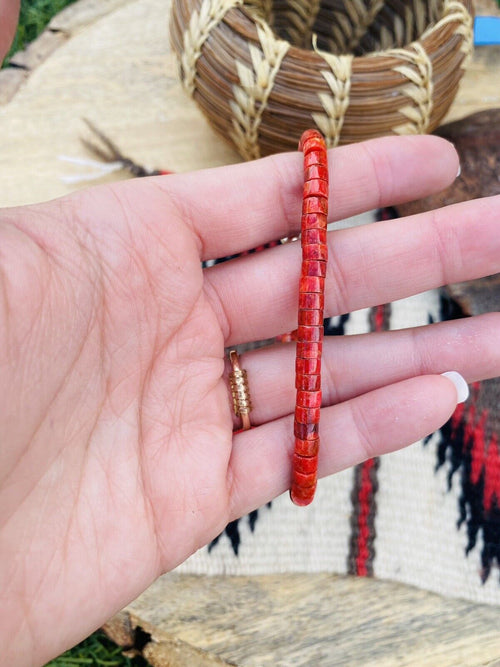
307	415
315	205
313	236
306	447
311	301
311	317
308	366
305	464
306	431
313	221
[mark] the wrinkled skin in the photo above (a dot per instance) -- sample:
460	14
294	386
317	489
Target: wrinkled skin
118	458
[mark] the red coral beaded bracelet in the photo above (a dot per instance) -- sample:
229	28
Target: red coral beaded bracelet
309	333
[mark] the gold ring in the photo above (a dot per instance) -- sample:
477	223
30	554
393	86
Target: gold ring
238	381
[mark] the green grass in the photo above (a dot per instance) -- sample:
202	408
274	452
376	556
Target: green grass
33	17
96	651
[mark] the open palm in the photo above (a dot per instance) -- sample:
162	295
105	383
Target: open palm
118	458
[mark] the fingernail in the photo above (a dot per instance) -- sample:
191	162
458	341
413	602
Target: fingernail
459	170
460	385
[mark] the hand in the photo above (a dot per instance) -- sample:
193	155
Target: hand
118	458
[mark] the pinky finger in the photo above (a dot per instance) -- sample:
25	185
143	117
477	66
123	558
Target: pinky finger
373	424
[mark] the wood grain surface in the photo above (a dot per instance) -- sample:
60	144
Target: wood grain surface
304	620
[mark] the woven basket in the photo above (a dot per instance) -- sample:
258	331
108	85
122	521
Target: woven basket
265	70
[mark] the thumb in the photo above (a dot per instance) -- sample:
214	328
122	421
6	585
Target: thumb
9	13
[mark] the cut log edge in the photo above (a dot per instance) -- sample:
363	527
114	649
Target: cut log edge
138	637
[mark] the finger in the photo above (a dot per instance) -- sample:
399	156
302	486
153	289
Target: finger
9	12
370	425
354	365
240	207
255	297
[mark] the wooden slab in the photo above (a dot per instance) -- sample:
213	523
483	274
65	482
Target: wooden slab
304	620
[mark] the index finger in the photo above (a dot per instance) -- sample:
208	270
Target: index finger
236	208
